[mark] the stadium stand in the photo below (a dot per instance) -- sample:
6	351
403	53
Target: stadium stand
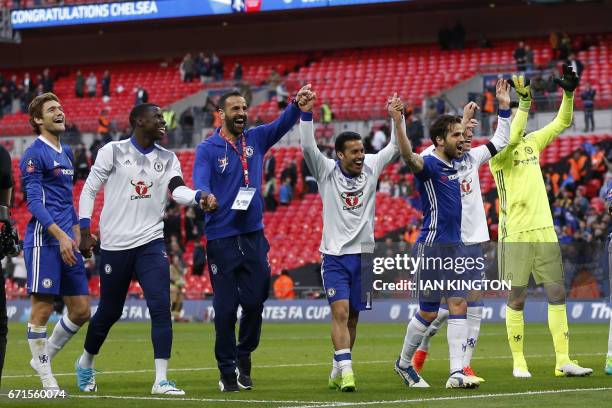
343	78
161	79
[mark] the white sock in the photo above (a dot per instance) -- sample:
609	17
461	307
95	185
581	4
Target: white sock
414	335
343	358
433	328
610	339
456	335
37	339
335	369
474	317
86	360
63	331
161	368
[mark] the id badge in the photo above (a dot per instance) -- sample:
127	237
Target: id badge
244	198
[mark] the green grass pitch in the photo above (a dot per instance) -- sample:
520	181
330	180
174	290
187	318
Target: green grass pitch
291	366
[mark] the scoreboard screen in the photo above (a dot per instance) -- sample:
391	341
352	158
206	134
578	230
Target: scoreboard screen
157	9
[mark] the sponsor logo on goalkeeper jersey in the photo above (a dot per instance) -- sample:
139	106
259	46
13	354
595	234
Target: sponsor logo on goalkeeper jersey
530	161
352	200
141	188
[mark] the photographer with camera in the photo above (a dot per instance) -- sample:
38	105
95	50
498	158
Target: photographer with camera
9	242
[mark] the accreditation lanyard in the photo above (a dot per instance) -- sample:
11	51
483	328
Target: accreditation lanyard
243	157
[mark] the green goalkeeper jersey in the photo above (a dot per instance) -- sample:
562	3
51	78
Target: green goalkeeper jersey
522	193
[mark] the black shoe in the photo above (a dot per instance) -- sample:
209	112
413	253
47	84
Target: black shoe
243	374
228	383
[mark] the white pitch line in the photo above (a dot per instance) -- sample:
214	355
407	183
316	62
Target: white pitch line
357	363
453	398
169	399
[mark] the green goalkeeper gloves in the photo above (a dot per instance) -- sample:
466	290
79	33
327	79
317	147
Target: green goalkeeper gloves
569	81
522	87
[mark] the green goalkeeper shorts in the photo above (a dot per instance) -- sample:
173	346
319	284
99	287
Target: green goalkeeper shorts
534	252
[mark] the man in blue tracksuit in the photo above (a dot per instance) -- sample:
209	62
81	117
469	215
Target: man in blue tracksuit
228	166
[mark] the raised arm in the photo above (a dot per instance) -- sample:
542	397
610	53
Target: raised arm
395	107
413	160
274	131
502	134
519	123
568	82
316	161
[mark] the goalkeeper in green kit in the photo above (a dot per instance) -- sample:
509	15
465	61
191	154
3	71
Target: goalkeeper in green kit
527	240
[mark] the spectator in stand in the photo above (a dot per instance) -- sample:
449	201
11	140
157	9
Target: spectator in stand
269	194
520	56
286	192
177	283
207	70
385	186
380	139
142	96
172	222
217	67
175	247
91	84
440	106
308	180
28	84
106	83
269	167
199	258
81	163
326	113
104	126
415	130
245	90
458	36
93	149
488	107
588	102
237	75
171	125
578	166
554	44
192	231
11	84
26	98
585	286
290	172
18	99
79	85
187	68
538	89
576	64
444	38
6	101
284	286
20	274
281	96
46	81
273	81
186	122
529	58
565	48
39	90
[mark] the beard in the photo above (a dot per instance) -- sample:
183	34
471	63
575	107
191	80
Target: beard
231	126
